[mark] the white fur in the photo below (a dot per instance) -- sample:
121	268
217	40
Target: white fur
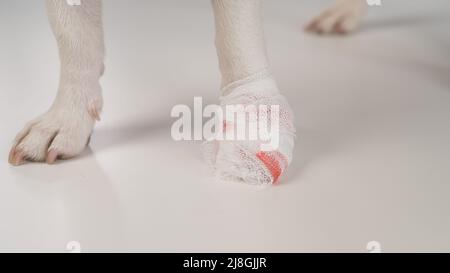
239	39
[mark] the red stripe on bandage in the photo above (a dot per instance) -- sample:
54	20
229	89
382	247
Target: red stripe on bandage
273	162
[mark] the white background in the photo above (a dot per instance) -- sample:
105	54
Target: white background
372	160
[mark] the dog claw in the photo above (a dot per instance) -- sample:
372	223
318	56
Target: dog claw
16	158
52	156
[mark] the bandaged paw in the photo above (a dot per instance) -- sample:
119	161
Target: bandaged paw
258	133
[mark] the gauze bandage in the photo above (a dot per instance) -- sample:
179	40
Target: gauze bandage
247	160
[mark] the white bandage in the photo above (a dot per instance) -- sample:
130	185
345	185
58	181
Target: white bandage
245	160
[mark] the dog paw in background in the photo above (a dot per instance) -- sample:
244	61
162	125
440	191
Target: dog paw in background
342	18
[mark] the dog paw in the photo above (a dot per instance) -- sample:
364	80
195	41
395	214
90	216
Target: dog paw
342	18
61	133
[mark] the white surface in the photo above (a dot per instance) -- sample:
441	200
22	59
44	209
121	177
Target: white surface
371	163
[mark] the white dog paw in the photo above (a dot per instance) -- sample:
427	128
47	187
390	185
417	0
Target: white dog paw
342	18
61	133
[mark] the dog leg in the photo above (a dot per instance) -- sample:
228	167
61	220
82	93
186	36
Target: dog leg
64	130
247	81
345	16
